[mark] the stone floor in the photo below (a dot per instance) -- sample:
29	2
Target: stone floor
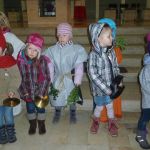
66	136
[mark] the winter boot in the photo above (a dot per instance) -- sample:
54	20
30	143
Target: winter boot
3	136
73	118
57	115
141	139
41	126
33	125
95	126
113	127
11	134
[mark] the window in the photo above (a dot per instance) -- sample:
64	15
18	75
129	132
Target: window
47	8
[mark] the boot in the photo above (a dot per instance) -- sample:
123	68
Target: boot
41	125
57	115
3	136
95	126
113	127
11	133
33	125
141	139
73	118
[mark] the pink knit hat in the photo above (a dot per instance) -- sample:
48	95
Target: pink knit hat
148	37
36	39
64	28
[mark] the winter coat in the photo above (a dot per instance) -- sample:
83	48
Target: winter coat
65	59
144	78
100	70
9	81
35	77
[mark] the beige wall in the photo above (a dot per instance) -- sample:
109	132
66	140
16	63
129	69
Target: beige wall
62	14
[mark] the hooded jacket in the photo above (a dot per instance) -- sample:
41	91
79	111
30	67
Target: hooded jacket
100	70
144	78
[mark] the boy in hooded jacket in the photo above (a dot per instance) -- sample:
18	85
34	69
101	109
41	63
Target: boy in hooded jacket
102	68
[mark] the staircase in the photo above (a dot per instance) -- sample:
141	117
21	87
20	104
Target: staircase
132	60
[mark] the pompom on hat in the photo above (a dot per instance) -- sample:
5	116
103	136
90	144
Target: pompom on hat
64	28
36	39
2	40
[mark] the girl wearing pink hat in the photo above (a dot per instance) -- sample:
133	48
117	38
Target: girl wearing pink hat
35	80
65	56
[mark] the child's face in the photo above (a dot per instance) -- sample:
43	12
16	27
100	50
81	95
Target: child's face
64	38
32	51
105	38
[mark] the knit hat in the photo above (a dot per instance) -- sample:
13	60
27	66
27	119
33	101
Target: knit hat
2	40
36	39
64	28
111	23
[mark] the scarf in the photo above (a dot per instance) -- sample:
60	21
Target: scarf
7	61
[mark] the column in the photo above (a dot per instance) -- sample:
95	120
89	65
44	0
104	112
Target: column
1	5
97	10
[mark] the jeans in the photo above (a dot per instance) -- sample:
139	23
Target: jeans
144	119
6	116
31	108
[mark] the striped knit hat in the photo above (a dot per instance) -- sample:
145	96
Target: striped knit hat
64	28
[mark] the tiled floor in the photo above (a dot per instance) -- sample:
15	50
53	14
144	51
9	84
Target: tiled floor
66	136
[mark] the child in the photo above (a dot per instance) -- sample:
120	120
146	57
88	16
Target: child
102	68
9	36
9	81
35	80
66	56
144	78
117	101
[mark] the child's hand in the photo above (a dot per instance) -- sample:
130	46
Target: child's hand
11	94
77	84
26	94
121	84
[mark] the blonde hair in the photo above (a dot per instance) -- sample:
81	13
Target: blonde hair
4	20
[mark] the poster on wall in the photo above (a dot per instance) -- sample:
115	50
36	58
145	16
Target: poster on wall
47	8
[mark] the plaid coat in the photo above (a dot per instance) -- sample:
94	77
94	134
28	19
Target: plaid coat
35	78
100	70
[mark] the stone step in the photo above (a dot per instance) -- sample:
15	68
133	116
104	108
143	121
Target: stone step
121	31
130	97
51	39
130	49
134	60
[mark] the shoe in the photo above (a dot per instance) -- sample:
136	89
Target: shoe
142	142
95	126
3	136
57	115
33	125
73	119
113	127
11	134
41	126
